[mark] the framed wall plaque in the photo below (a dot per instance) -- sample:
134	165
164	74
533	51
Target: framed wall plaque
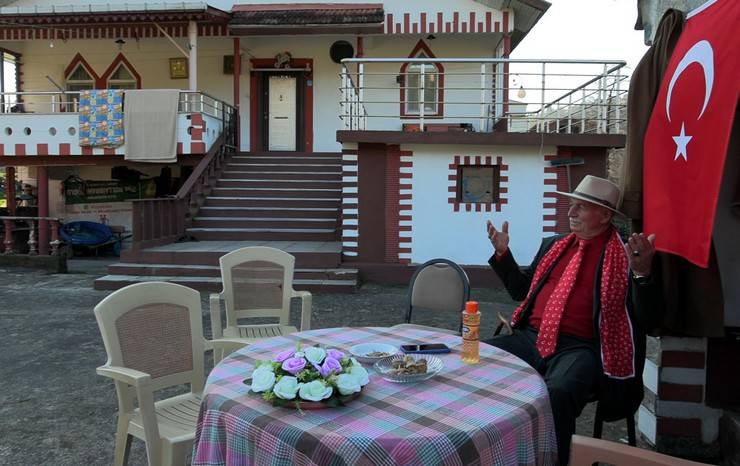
178	68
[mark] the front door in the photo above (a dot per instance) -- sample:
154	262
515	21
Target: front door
282	113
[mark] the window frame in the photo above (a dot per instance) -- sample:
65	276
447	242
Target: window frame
496	188
421	49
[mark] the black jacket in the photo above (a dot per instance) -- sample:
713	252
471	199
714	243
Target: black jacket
617	398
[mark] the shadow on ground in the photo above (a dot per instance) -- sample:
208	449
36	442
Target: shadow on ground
54	409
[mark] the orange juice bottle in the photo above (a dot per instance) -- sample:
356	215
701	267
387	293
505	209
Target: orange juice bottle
470	333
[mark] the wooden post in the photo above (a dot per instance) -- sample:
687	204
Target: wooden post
10	189
8	236
43	205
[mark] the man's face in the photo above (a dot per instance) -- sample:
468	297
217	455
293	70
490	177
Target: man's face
587	220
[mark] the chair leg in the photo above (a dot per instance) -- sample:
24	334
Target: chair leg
123	442
631	437
598	422
177	454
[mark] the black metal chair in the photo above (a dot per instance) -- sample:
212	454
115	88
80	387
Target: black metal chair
438	285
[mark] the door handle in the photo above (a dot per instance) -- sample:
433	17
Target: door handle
279	118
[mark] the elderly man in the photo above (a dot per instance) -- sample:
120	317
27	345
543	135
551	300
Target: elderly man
586	301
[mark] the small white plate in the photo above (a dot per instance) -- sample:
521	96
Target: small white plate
363	351
384	367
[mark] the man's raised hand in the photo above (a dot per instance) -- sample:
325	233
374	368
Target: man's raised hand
640	250
499	239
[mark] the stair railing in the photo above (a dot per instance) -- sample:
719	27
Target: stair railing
33	224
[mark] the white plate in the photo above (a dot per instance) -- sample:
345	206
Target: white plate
384	367
362	351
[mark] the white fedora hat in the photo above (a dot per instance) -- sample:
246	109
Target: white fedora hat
599	191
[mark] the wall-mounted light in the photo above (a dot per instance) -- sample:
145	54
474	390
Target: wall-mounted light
431	37
120	43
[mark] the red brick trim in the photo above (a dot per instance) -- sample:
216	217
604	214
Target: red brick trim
689	359
405	174
680	392
120	59
432	23
350	200
485	160
552	200
676	427
392	205
110	31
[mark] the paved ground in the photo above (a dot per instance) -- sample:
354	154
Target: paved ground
54	409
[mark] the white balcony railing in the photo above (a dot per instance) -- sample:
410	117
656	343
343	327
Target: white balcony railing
484	95
50	118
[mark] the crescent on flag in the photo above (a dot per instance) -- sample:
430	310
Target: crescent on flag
700	53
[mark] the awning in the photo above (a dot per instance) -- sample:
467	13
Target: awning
307	18
102	21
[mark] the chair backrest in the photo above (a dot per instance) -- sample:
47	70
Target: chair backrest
438	285
156	328
257	282
585	451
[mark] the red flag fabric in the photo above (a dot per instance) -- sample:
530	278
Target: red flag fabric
689	130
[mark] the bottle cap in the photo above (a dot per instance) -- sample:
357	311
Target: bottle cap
471	307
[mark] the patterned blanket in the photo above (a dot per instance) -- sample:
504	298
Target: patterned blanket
101	118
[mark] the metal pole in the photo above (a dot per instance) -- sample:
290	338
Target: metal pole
542	99
193	58
422	96
360	91
482	97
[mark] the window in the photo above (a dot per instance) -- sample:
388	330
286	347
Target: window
422	85
478	183
8	80
415	90
121	79
78	76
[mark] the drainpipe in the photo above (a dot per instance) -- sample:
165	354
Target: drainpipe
193	62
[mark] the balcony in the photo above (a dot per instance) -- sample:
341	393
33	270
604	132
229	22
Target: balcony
46	123
494	100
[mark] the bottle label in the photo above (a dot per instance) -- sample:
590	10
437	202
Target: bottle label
471	332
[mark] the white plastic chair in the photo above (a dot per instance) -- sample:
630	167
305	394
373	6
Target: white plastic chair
257	283
585	451
153	334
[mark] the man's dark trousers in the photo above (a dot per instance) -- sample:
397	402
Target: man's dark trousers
571	375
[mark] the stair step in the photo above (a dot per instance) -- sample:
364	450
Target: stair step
142	269
277	193
263	222
277	154
269	212
282	175
274	202
298	184
308	254
113	282
300	160
274	234
284	167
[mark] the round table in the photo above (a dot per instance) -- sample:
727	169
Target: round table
494	412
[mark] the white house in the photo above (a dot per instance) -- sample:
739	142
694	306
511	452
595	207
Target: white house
378	134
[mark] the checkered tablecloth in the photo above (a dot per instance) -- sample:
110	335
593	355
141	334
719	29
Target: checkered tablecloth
495	412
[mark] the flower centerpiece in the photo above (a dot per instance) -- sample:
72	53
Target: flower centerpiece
314	374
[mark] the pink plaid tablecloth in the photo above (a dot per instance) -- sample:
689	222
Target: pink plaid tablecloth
495	412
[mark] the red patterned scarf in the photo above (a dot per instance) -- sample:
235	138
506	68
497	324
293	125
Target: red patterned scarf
615	327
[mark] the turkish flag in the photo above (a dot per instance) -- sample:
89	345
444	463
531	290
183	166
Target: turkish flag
689	130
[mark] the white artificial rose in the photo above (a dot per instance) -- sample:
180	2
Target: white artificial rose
263	378
348	384
314	391
314	354
361	374
286	388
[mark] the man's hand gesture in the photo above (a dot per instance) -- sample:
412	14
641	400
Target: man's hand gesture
640	250
499	239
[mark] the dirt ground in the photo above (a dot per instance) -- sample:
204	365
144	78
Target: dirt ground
55	410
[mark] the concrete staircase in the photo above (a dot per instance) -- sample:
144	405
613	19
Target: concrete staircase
290	201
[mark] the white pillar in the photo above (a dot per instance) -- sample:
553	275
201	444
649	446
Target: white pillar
193	61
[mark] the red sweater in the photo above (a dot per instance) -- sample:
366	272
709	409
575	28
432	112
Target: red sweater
577	318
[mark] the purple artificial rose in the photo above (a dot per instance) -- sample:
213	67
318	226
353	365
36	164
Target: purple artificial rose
283	355
330	365
294	365
335	354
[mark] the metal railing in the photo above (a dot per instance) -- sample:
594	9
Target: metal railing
484	94
46	102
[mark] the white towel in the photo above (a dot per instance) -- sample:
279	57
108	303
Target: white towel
150	124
